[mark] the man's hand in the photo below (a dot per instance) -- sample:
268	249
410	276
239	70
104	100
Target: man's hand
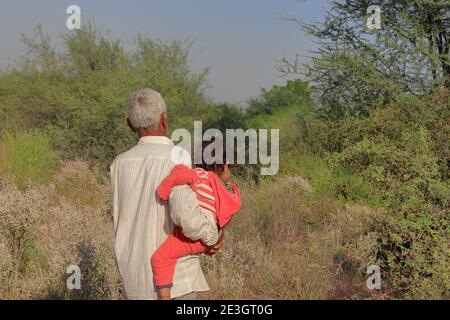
214	249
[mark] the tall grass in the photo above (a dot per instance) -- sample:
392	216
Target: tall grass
45	229
27	157
285	244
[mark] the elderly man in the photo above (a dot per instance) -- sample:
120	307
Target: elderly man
141	220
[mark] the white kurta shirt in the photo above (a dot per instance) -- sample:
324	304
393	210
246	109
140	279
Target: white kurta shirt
142	221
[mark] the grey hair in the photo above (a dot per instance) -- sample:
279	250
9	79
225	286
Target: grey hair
145	108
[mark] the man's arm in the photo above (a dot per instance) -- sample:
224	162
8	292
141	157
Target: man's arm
186	213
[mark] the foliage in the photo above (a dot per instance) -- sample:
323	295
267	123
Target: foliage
392	150
279	97
80	93
363	174
27	157
356	69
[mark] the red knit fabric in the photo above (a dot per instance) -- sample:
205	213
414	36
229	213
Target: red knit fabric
212	196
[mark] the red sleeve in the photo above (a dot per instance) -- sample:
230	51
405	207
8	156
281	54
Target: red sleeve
227	203
179	175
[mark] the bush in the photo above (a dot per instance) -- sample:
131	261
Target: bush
293	248
393	151
27	157
280	97
45	229
80	93
227	116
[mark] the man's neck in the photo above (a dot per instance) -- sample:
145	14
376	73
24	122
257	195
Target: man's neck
150	133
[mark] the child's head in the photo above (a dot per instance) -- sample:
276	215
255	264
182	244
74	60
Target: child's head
221	168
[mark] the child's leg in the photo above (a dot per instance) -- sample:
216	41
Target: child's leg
165	258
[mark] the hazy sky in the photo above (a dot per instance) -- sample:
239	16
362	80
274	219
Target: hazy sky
239	39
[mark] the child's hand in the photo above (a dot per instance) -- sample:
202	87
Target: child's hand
214	249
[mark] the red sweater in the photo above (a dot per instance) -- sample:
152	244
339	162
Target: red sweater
211	193
213	197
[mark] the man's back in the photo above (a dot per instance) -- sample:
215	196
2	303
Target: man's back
142	221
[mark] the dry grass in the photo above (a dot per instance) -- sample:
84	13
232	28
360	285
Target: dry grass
284	244
81	186
43	232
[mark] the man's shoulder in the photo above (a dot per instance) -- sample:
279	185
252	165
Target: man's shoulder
141	152
123	156
171	154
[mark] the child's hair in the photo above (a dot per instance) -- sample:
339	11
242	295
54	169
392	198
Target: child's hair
217	167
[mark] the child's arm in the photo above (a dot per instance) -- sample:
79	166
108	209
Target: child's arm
186	213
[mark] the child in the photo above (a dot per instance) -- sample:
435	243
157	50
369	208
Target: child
214	198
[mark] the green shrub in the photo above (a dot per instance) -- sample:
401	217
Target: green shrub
30	256
27	157
227	116
295	92
392	151
80	93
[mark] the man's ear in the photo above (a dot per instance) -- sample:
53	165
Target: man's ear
164	122
130	125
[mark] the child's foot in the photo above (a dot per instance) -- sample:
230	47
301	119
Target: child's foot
164	294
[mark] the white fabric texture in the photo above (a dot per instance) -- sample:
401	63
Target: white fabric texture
142	221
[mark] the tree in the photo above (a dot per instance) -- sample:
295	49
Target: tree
78	91
40	52
357	69
90	50
279	97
